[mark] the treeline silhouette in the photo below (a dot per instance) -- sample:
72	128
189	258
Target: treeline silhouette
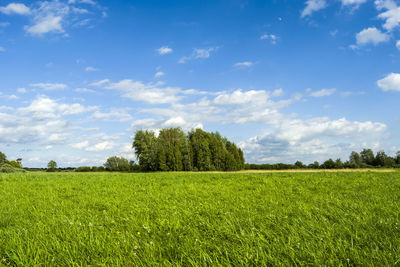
173	150
365	159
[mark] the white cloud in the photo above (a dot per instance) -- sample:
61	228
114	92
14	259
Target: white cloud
243	64
84	90
4	24
80	145
49	86
90	2
323	92
239	97
159	74
312	6
391	15
198	53
398	44
15	8
21	90
315	139
353	2
152	93
100	83
272	37
102	146
390	83
371	35
91	69
114	115
2	49
49	23
55	16
164	50
44	108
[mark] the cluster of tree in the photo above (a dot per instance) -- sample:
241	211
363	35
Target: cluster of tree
12	163
173	150
113	164
365	159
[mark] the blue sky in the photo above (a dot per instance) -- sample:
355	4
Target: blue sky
286	80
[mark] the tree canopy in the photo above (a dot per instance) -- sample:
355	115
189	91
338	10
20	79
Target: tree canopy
173	150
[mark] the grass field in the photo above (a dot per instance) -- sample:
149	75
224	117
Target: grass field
198	219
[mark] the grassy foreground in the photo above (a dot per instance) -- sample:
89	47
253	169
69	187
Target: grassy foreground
198	219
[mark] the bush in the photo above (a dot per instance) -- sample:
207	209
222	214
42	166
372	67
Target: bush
7	168
83	169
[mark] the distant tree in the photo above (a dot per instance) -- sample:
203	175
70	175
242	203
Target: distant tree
3	158
329	164
367	156
52	166
339	164
390	162
314	165
117	164
398	157
15	164
354	160
299	165
83	169
380	159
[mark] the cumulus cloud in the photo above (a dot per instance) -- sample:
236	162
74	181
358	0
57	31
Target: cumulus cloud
318	138
198	53
390	83
102	146
120	115
313	6
164	50
153	93
55	16
391	16
371	35
15	8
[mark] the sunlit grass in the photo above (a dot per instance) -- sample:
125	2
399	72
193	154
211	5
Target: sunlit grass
105	219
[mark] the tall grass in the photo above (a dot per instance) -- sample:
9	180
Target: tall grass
195	219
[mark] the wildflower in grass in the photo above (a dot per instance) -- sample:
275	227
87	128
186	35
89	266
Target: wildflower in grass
3	260
138	233
90	225
135	247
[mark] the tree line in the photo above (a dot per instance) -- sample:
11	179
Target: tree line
173	150
365	159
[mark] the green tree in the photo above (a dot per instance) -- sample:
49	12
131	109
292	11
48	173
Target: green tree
144	144
51	166
299	164
339	164
3	158
117	164
367	156
355	160
398	157
380	159
329	164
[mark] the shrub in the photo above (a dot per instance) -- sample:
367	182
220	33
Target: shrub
7	168
83	169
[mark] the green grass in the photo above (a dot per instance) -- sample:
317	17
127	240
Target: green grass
200	219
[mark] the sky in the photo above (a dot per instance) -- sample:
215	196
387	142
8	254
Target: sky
286	80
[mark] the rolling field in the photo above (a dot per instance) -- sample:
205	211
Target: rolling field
200	219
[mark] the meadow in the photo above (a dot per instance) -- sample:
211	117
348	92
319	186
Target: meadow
200	219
